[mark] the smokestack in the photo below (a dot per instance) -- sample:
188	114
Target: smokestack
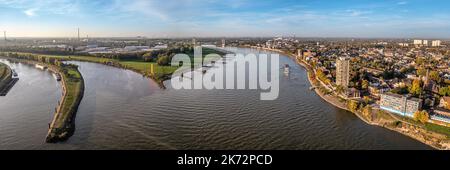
78	34
4	34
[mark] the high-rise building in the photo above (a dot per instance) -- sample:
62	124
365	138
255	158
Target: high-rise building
223	43
401	105
300	53
425	42
436	43
418	42
194	42
342	71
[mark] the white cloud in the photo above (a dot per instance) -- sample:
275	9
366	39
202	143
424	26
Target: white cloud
402	3
29	7
30	12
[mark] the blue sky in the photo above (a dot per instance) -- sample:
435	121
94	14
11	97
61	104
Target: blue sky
205	18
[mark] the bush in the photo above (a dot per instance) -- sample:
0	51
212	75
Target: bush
163	60
397	124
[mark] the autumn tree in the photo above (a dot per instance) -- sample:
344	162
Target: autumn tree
340	89
421	72
444	91
419	61
416	88
367	99
421	116
367	112
352	105
434	75
365	84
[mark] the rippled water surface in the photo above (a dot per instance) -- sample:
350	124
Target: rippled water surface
123	110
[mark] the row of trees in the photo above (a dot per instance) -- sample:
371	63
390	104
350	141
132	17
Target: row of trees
160	56
45	59
414	89
34	57
50	51
364	108
322	76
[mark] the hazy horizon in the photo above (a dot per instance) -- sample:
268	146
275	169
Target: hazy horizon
396	19
228	37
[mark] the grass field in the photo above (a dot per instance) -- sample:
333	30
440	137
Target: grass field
439	129
429	126
144	67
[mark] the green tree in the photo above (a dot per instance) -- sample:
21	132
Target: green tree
163	60
400	90
148	57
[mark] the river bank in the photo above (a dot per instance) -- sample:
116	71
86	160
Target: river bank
433	139
62	125
7	79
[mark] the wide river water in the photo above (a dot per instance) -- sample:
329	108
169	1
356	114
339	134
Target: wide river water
124	110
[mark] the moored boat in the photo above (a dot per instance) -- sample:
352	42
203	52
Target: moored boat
286	69
40	66
57	76
14	74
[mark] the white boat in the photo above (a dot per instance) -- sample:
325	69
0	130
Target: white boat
14	74
286	69
40	66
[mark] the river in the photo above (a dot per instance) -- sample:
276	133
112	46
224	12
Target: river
124	110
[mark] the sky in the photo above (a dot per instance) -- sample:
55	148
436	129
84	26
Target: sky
226	18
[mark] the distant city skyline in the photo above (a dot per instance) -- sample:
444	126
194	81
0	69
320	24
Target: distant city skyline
227	18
